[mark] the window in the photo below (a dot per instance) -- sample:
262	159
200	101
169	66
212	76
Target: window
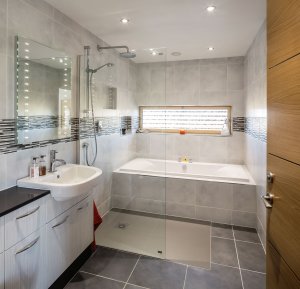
191	119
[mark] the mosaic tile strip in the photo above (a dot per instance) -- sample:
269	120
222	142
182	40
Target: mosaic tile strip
256	127
238	124
38	122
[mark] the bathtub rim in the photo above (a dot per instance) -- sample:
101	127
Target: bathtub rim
180	176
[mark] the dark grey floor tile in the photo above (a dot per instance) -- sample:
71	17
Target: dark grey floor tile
251	256
223	252
130	286
253	280
246	234
222	231
158	274
219	277
87	281
111	263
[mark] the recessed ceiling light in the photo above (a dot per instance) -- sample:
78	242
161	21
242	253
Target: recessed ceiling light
211	48
176	53
211	8
124	21
27	43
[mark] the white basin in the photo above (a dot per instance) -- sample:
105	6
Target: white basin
70	181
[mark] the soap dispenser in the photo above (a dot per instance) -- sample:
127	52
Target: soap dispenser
34	169
42	166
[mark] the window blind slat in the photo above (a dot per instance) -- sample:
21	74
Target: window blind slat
185	118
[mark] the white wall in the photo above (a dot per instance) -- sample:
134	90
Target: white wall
256	112
196	82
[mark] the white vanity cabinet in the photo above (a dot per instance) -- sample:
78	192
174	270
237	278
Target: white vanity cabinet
25	263
68	235
1	234
1	270
24	221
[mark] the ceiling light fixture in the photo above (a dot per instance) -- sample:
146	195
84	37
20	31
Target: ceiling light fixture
211	8
176	53
124	21
211	48
154	53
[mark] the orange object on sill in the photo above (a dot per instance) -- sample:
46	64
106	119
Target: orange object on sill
182	131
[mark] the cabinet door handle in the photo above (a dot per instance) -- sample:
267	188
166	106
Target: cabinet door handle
62	222
31	244
29	213
82	207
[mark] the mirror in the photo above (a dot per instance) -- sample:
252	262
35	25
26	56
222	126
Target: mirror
43	92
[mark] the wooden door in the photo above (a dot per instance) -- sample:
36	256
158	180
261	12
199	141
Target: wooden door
283	233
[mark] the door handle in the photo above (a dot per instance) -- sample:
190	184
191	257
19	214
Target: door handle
60	223
268	200
27	247
28	214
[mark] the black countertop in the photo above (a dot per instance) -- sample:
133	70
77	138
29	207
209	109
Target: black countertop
17	197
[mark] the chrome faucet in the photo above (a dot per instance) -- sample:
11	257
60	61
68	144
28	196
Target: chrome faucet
53	161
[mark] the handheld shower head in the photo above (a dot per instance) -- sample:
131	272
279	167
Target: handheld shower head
109	64
127	54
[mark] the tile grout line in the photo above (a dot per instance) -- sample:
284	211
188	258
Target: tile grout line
185	276
101	276
238	268
237	240
237	256
132	271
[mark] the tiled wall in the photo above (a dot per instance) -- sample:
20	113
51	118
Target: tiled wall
37	20
256	112
202	200
196	82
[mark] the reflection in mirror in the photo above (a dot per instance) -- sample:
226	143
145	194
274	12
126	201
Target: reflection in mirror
43	92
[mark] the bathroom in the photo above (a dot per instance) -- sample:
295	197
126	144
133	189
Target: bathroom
149	150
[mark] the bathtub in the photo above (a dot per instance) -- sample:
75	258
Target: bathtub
229	173
219	193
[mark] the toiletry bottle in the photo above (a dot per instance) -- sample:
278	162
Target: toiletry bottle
34	169
42	166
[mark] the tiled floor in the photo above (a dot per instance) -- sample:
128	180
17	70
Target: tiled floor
146	235
237	263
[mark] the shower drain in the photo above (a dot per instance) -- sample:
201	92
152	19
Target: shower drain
122	226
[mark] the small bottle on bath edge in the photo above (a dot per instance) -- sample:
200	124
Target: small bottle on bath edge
34	169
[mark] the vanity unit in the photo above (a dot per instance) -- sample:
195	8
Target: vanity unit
40	237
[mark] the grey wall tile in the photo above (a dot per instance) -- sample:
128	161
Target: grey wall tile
244	198
244	219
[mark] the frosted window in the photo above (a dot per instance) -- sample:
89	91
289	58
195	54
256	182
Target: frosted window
197	119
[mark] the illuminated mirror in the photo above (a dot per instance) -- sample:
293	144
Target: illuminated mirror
43	92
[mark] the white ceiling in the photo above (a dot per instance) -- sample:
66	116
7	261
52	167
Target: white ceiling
178	25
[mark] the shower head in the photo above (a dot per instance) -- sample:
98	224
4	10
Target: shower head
127	54
100	67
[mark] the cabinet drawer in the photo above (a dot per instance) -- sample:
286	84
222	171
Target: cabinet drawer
1	235
55	208
21	223
67	237
2	271
25	263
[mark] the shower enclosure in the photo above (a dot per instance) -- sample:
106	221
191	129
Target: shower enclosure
141	210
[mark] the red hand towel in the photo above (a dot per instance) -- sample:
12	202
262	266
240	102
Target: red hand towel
97	222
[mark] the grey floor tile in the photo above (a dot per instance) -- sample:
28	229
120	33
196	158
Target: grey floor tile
246	234
222	231
158	274
223	252
219	277
251	256
253	280
87	281
111	263
130	286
